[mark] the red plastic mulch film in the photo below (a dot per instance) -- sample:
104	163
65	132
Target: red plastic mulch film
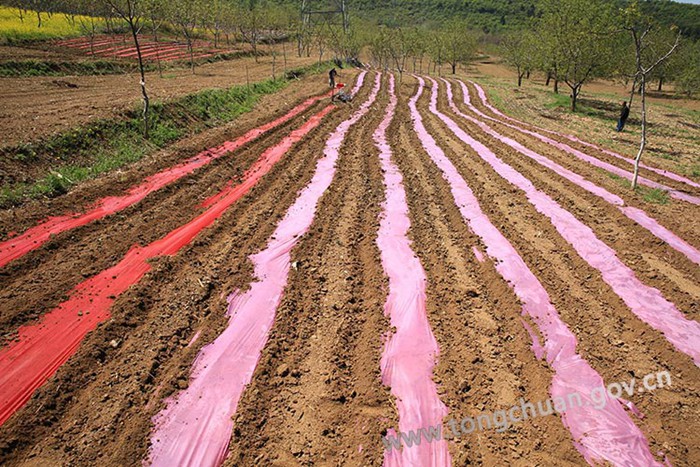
43	347
35	237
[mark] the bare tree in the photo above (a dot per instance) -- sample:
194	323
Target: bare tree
649	54
187	15
133	12
156	16
89	21
460	44
379	48
39	7
438	52
21	9
252	22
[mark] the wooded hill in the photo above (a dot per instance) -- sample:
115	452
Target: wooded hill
493	16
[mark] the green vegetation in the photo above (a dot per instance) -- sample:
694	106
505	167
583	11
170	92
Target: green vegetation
496	16
656	196
650	195
488	16
603	110
577	41
61	68
107	145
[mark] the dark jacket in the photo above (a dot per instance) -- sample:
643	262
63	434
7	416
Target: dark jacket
625	113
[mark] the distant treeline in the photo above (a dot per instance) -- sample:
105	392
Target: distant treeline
492	16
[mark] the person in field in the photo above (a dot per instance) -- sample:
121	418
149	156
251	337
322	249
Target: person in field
624	115
331	77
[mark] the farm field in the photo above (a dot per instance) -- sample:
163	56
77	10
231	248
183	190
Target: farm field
35	107
674	121
324	276
405	234
120	48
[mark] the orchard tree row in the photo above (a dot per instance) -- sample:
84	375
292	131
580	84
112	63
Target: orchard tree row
576	41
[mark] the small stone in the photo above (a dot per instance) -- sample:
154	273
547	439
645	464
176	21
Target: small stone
297	449
114	343
283	370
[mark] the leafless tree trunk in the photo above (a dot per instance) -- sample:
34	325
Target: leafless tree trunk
641	74
157	45
128	11
274	64
144	91
284	54
643	143
632	92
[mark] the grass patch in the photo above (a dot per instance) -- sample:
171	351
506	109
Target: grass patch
563	102
655	196
15	68
15	30
106	145
650	195
558	101
495	96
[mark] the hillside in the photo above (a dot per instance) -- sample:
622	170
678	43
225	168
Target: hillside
497	15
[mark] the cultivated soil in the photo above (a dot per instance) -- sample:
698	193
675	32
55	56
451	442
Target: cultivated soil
35	107
316	396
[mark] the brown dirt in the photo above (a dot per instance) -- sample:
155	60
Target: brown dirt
155	320
34	107
616	343
327	332
316	397
672	138
29	292
497	69
486	362
32	53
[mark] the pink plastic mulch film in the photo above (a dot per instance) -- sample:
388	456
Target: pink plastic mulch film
665	173
35	237
677	194
411	351
42	348
635	214
606	435
195	427
644	301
